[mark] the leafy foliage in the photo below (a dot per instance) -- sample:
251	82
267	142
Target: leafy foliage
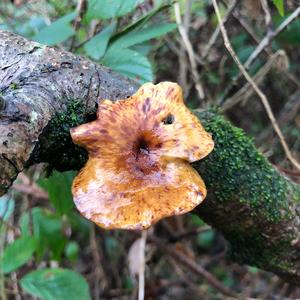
111	44
56	284
280	6
125	35
96	47
107	9
58	32
58	186
48	231
17	254
6	207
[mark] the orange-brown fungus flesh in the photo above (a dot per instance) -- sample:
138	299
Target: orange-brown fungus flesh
138	170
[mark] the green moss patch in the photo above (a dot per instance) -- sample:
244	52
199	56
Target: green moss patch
235	169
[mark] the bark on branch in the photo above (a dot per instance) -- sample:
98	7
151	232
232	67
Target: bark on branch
45	91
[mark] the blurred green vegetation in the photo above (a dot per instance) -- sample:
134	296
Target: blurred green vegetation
56	253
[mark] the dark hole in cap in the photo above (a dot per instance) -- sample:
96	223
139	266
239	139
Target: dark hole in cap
169	119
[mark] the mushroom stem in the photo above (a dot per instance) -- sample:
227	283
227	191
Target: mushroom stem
141	291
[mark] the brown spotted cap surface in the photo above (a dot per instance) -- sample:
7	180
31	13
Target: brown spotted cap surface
138	170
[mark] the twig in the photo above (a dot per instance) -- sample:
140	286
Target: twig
288	172
100	278
246	26
81	7
32	190
189	233
268	18
182	57
246	91
215	35
190	51
256	88
286	115
262	46
270	36
141	292
194	267
188	279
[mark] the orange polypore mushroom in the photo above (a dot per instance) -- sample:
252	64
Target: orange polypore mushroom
138	170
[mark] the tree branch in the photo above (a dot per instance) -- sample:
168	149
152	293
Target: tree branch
38	84
45	91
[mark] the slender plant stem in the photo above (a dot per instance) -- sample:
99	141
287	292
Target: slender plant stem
261	95
189	50
141	294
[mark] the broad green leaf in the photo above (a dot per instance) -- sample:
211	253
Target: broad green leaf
31	27
57	32
106	9
144	48
290	36
81	225
56	284
24	223
140	22
137	37
17	253
280	6
48	232
195	220
96	47
205	239
58	186
72	251
129	63
6	207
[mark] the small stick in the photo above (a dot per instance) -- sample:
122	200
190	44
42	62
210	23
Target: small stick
262	96
189	50
141	292
269	37
215	35
80	9
262	46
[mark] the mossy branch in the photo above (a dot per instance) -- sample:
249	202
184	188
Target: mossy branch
46	91
254	206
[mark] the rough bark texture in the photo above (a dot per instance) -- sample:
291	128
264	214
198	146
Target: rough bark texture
45	91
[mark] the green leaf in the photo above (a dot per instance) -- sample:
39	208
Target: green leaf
72	251
129	63
56	284
195	220
57	32
7	206
140	22
137	37
17	253
24	223
58	186
206	238
106	9
48	232
290	36
280	6
96	47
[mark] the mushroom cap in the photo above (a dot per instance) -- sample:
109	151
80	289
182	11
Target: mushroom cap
138	170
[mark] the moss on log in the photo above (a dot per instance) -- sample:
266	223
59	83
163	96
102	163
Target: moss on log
45	91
